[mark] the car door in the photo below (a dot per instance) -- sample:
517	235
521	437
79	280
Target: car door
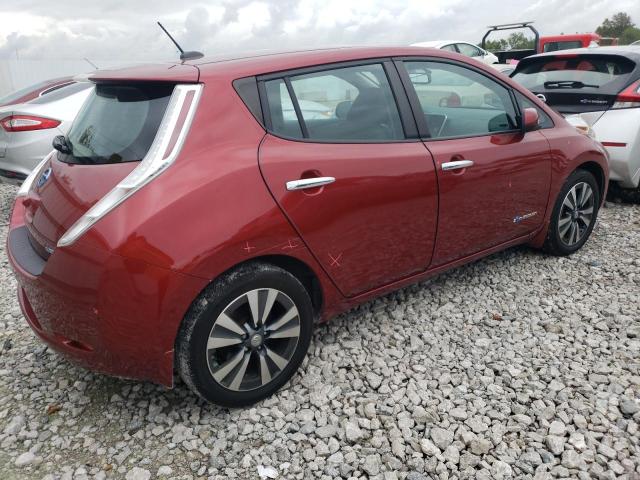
494	178
361	193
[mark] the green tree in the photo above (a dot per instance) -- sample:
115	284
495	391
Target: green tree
515	41
616	26
630	35
518	41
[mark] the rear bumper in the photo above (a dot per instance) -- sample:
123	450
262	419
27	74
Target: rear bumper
103	311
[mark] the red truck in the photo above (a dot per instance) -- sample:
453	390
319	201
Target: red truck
549	43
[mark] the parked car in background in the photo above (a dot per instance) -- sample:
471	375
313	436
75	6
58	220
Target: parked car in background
602	86
504	68
283	219
459	46
27	129
34	91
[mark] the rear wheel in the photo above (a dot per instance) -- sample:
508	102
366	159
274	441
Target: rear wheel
245	336
574	214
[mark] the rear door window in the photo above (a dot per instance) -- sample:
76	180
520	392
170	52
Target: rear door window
117	123
459	102
342	104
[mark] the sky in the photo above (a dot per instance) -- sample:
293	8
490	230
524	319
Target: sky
127	30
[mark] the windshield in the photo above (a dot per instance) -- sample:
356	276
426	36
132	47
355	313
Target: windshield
117	124
598	73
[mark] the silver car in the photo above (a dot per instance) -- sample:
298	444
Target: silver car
27	129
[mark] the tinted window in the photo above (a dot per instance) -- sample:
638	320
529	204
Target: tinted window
469	50
458	102
545	121
593	73
117	124
345	104
62	92
450	48
554	46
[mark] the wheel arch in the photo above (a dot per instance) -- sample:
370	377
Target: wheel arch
296	267
596	170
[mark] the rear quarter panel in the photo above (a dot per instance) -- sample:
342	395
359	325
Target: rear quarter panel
211	210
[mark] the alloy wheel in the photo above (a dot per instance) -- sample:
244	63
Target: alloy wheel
576	214
253	339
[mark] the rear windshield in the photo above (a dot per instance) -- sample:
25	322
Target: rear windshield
60	93
117	124
566	45
595	73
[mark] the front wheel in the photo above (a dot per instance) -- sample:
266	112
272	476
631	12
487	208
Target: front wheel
574	214
245	336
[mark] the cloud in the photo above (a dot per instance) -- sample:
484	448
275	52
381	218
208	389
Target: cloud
126	30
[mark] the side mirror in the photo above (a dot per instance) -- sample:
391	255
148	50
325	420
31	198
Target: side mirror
531	119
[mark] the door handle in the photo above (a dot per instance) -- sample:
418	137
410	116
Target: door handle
457	165
309	183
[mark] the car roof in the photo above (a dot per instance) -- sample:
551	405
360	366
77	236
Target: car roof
629	51
260	62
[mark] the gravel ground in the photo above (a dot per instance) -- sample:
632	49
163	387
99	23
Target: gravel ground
517	366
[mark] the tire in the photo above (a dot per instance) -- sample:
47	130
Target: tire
562	238
626	195
228	351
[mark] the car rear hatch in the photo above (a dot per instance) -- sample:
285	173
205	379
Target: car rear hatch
578	83
111	135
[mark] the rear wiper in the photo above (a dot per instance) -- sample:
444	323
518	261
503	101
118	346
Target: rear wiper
568	84
62	144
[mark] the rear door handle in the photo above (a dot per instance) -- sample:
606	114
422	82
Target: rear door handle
309	183
457	165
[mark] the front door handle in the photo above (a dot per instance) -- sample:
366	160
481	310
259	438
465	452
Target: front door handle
309	183
457	165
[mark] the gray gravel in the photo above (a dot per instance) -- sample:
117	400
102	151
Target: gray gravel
518	366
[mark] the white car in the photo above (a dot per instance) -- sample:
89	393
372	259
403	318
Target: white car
28	129
601	85
460	46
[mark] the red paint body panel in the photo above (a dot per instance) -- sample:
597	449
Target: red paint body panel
114	300
479	205
375	224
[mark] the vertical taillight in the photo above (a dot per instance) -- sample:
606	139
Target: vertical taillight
25	123
163	152
629	97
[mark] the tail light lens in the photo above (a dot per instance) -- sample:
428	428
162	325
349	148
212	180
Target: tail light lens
629	97
163	152
25	123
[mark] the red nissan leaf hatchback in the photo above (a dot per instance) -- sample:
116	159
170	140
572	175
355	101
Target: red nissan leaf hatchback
201	216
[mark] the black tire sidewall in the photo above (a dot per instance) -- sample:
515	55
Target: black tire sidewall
202	318
555	244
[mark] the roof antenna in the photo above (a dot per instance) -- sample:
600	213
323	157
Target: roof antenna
193	55
91	63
